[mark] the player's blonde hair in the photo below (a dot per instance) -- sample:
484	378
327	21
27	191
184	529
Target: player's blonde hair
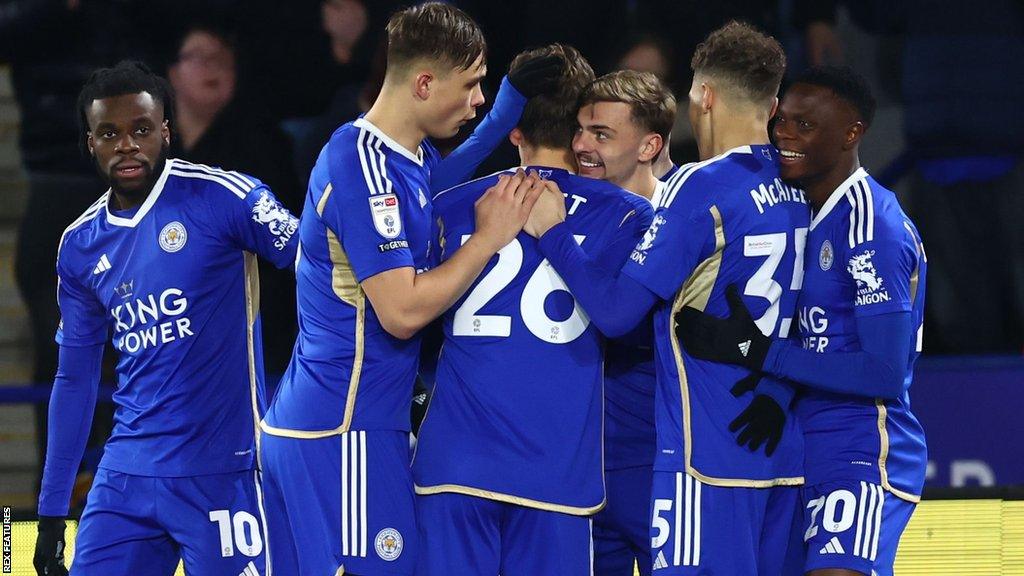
652	106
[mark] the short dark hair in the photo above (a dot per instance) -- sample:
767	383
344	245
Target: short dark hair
845	84
550	119
651	104
127	77
744	57
435	31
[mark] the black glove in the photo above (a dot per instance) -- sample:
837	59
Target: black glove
49	557
761	422
733	340
537	75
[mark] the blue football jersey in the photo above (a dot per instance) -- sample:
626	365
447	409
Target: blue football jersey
865	258
175	285
367	210
516	411
629	377
727	220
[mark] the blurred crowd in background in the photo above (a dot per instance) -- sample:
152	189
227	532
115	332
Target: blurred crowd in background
260	86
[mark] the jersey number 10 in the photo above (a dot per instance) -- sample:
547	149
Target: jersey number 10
542	282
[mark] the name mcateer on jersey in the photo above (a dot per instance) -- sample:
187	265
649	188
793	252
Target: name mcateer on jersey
150	320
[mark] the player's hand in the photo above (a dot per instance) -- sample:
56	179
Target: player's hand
504	208
49	556
733	340
762	422
547	212
537	75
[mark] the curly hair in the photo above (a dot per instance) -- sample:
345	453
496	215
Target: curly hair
743	56
127	77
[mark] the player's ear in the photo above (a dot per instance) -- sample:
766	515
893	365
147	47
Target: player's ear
516	137
775	107
707	99
90	143
165	132
853	135
650	147
422	85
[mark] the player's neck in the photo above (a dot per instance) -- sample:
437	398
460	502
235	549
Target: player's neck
729	130
394	115
662	164
642	182
818	190
547	157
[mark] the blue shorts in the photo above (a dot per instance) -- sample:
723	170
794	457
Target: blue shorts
143	525
622	531
854	525
343	501
472	536
709	530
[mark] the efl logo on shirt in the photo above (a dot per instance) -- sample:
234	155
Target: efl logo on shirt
384	209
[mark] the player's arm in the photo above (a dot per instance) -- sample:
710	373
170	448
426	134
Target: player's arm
884	330
616	302
533	77
80	335
259	223
406	301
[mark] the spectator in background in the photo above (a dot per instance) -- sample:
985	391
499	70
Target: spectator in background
962	66
216	125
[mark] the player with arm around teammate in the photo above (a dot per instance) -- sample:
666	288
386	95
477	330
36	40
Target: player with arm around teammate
624	123
508	461
727	219
860	314
165	263
339	488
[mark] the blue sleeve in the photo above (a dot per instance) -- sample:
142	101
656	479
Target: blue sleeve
780	391
680	237
882	267
459	166
362	211
262	225
72	403
614	302
877	370
83	319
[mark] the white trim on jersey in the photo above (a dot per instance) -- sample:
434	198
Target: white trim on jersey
158	187
233	181
250	570
371	160
687	530
258	480
869	520
862	213
353	494
446	190
838	194
366	125
675	183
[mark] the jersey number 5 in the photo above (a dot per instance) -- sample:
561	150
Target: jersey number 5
544	281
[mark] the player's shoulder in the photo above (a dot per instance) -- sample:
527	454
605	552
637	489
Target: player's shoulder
211	182
83	229
359	157
707	179
872	213
468	191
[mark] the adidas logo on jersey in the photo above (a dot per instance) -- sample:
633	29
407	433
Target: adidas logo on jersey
833	547
102	266
745	348
250	570
660	561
